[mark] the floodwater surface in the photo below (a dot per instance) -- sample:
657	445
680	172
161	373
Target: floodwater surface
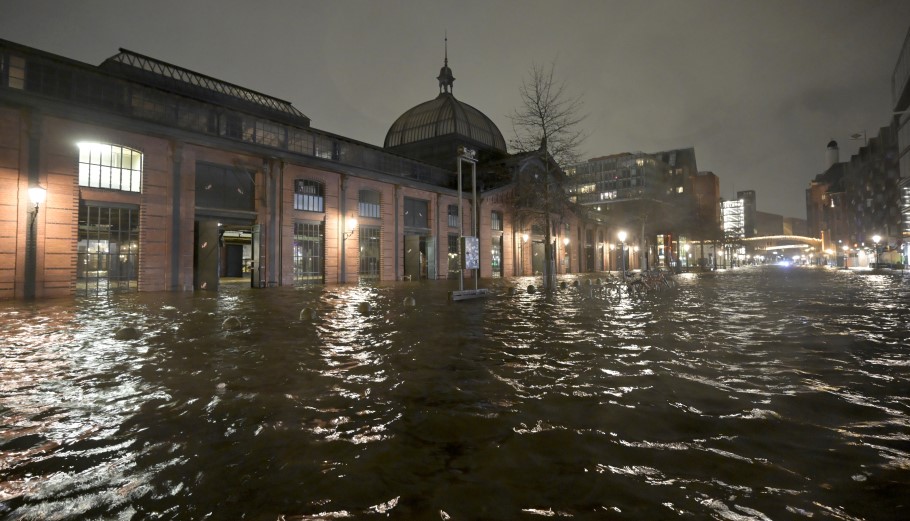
747	394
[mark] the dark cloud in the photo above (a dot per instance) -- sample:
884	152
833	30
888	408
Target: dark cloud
757	87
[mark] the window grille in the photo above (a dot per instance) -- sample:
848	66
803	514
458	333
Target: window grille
309	260
369	251
107	252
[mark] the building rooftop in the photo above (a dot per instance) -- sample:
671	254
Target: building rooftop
173	78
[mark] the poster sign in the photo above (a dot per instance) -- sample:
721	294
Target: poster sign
471	257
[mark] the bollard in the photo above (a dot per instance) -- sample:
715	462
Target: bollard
231	323
364	308
531	289
127	333
307	314
409	302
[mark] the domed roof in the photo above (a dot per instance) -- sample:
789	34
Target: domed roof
443	119
444	116
832	144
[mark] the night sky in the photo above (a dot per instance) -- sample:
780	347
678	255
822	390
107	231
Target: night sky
757	87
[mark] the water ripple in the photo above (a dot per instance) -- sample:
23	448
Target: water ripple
749	394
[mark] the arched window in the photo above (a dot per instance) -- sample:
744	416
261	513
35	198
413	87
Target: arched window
112	167
309	195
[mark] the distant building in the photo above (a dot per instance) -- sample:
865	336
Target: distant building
795	226
628	191
853	201
649	194
706	193
826	206
900	102
682	165
750	226
768	224
872	187
733	219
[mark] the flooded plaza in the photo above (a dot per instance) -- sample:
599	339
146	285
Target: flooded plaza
747	394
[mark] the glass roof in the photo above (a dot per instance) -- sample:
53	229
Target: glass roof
441	117
172	77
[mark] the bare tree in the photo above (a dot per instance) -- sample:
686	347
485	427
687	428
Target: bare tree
548	113
547	121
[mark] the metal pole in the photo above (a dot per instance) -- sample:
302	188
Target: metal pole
475	215
460	231
622	257
31	254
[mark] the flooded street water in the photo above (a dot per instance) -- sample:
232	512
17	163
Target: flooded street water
751	394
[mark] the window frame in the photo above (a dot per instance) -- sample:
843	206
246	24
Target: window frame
367	209
94	173
309	202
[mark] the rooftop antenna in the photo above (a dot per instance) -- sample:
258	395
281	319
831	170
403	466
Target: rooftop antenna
446	78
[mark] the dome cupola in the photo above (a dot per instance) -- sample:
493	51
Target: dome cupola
432	131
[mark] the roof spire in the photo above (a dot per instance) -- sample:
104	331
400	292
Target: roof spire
446	79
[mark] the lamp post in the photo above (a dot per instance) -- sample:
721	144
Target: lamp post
612	248
36	194
875	239
846	251
686	247
622	250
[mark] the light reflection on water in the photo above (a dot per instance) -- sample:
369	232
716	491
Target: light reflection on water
749	394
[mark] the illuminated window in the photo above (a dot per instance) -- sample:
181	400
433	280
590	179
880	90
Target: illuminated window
309	195
110	166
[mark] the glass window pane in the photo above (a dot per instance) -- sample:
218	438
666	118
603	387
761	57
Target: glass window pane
109	166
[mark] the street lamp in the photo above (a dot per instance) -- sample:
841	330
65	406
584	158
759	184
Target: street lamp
37	195
622	250
875	239
351	225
